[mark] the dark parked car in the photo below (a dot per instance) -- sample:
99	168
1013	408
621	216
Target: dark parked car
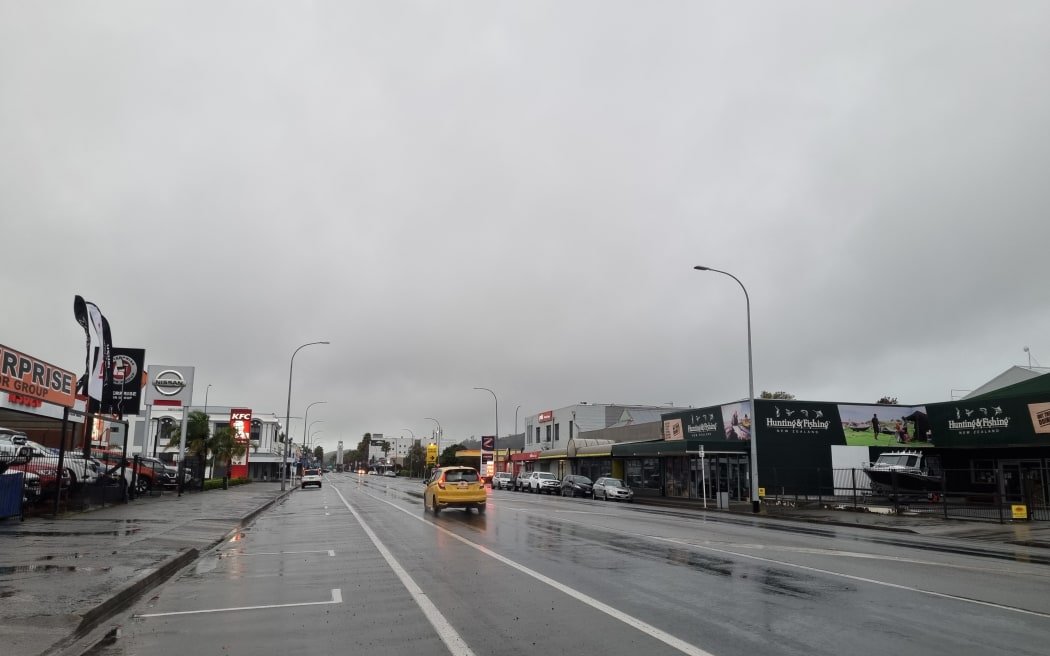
574	485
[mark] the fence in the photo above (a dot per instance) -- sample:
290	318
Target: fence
995	494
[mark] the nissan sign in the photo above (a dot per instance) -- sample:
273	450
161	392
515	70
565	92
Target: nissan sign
170	386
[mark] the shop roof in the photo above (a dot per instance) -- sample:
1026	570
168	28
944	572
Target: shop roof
1028	382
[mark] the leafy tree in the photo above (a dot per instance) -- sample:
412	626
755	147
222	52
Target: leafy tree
197	441
225	447
414	459
319	452
784	396
449	457
887	400
366	441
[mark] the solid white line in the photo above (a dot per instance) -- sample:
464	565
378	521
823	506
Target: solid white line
851	577
629	620
337	598
272	553
453	641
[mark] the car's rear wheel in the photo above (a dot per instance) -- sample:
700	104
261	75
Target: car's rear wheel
481	509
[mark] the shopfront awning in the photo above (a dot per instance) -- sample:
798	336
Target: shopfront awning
671	448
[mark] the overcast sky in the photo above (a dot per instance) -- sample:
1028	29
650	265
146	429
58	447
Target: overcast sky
513	195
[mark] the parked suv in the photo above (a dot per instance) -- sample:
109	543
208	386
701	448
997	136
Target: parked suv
543	482
502	480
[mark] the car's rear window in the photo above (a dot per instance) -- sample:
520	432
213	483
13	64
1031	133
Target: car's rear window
313	472
457	475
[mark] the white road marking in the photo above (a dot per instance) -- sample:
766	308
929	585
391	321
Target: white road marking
331	553
337	598
629	620
274	553
851	577
453	641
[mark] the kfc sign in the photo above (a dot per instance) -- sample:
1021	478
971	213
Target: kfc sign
241	423
545	416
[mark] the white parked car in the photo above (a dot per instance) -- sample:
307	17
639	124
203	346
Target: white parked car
502	480
80	469
540	482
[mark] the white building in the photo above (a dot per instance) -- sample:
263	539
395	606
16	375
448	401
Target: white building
552	429
397	453
264	453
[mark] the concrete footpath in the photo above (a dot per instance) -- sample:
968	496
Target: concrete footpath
60	578
1017	533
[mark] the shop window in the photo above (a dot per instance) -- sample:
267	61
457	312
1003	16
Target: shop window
651	473
982	471
633	472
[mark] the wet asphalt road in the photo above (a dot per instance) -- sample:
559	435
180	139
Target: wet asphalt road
546	575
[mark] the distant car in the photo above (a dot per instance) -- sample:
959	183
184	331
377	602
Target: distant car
612	489
540	482
502	480
455	487
390	473
574	485
361	471
310	477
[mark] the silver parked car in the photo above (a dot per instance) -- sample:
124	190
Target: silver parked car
502	480
612	489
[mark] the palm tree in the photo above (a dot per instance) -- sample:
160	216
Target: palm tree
197	441
225	447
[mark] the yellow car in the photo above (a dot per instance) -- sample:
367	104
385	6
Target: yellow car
454	487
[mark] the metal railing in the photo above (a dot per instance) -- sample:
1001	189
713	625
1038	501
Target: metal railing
994	495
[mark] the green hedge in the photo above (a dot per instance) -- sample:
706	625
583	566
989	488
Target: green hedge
216	483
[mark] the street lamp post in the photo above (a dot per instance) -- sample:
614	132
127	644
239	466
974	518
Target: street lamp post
306	418
495	441
516	419
439	433
287	416
755	503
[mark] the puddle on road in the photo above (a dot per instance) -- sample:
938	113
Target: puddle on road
72	555
69	569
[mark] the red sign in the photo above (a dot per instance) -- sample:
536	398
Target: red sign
28	402
545	416
241	423
27	376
